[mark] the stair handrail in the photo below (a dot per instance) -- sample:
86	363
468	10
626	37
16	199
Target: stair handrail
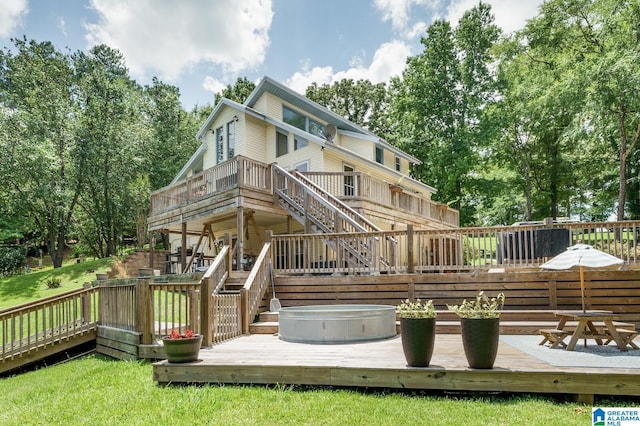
337	202
218	267
256	285
320	199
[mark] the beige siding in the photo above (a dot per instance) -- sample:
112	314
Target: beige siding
256	142
361	147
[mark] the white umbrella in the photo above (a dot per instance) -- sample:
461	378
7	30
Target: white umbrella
581	255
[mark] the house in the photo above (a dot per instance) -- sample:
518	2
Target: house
281	162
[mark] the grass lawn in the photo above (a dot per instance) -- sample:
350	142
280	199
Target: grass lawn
99	391
26	287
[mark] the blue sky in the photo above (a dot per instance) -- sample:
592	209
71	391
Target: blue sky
201	46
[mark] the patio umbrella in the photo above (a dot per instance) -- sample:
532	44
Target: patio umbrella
581	255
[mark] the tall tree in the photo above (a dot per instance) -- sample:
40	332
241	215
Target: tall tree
39	139
111	130
439	105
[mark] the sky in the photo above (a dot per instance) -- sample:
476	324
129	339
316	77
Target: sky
201	46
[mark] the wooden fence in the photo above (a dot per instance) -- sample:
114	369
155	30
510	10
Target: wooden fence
41	326
451	250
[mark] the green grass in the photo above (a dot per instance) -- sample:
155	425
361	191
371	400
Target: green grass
27	287
98	391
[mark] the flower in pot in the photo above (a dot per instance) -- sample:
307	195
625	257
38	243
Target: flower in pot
181	348
480	328
417	330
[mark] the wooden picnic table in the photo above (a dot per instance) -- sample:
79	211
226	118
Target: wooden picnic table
586	329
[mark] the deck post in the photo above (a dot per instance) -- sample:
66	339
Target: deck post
86	304
152	247
206	317
244	310
143	314
410	261
229	260
183	252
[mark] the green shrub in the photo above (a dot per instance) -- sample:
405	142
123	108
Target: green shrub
12	260
54	283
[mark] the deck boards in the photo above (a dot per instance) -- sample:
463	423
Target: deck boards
265	359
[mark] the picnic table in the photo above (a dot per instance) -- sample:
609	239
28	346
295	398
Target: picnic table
586	328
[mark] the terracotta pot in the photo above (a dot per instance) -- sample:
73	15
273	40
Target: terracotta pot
182	350
418	338
480	340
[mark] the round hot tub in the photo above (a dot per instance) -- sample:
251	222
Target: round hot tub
337	323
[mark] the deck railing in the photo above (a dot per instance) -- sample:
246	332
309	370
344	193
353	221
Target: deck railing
357	185
237	172
461	249
256	284
242	172
35	326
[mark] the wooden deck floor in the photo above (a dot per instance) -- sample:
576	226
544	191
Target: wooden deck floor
265	359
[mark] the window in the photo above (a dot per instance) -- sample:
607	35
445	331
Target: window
302	167
219	145
397	163
379	155
294	118
302	122
316	128
282	142
231	139
299	142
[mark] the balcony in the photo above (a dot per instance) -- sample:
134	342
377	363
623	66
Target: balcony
212	188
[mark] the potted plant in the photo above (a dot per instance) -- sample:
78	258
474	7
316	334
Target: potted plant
182	347
418	331
480	328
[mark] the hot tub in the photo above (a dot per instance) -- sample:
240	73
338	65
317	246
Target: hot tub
337	323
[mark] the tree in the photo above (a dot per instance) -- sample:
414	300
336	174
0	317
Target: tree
360	102
111	130
439	105
238	92
39	139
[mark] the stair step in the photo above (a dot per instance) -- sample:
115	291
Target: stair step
269	316
267	327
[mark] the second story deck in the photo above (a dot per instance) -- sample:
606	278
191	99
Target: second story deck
217	189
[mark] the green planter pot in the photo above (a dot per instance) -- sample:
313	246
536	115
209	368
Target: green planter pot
480	340
418	338
182	350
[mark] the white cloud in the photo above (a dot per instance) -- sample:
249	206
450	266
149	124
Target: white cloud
398	12
388	61
11	11
167	37
509	15
213	85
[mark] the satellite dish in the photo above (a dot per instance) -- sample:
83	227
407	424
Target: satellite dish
330	132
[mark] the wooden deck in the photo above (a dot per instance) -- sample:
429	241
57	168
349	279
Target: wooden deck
265	359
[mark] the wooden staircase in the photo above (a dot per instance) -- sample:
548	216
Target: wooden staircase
322	212
519	322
